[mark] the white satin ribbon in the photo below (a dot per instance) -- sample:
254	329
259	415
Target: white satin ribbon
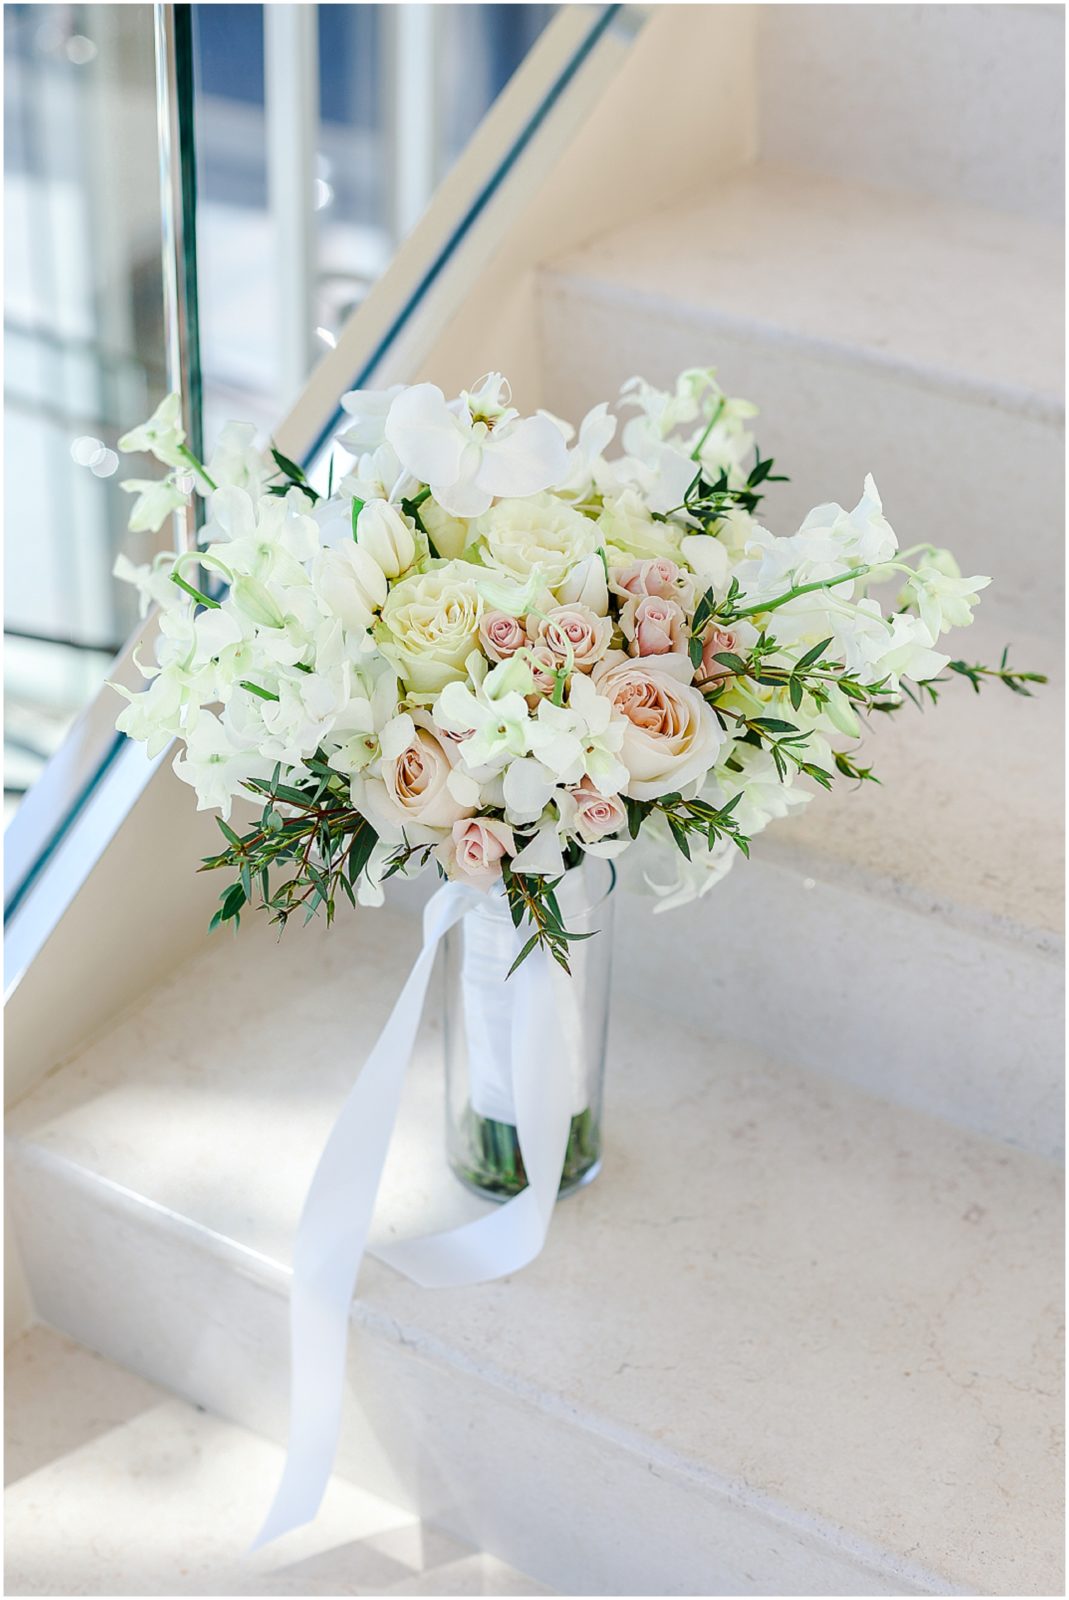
332	1233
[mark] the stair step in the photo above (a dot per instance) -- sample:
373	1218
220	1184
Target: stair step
115	1487
910	337
794	1339
958	101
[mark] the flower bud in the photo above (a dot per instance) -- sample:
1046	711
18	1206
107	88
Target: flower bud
387	537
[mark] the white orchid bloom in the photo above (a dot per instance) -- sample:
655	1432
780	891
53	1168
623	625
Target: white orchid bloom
236	462
941	595
215	765
270	539
370	408
152	581
596	433
162	436
474	449
493	717
369	726
154	714
157	499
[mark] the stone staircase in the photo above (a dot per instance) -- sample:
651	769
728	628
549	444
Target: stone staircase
802	1335
114	1487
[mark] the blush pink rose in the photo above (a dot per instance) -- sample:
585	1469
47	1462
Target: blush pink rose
718	641
413	789
543	664
671	737
479	845
654	626
574	635
501	635
597	815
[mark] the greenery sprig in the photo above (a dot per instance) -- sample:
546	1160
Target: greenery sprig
307	830
534	898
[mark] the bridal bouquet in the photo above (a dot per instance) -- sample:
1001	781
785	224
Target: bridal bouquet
488	647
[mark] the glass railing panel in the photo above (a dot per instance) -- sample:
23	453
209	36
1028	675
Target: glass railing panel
85	352
336	122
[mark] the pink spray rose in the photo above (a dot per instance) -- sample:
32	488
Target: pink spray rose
501	635
597	815
654	626
574	635
478	846
718	641
659	576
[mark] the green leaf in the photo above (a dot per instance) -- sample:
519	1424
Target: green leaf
812	655
288	468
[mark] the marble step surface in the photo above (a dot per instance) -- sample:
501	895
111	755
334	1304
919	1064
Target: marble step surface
878	331
113	1486
908	932
793	1340
956	101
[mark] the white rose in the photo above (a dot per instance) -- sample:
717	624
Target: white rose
586	585
349	584
626	525
671	736
539	532
432	625
386	536
412	791
449	535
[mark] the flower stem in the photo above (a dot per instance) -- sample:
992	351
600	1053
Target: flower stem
801	588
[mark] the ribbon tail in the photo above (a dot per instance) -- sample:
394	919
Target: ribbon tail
512	1235
332	1237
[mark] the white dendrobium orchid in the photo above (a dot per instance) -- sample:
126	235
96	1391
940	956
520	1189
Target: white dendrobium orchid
162	436
157	499
493	719
474	449
215	766
236	462
943	598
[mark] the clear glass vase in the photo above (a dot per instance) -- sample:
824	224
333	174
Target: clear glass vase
483	1147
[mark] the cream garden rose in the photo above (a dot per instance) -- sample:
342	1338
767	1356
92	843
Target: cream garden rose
671	736
431	625
540	534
